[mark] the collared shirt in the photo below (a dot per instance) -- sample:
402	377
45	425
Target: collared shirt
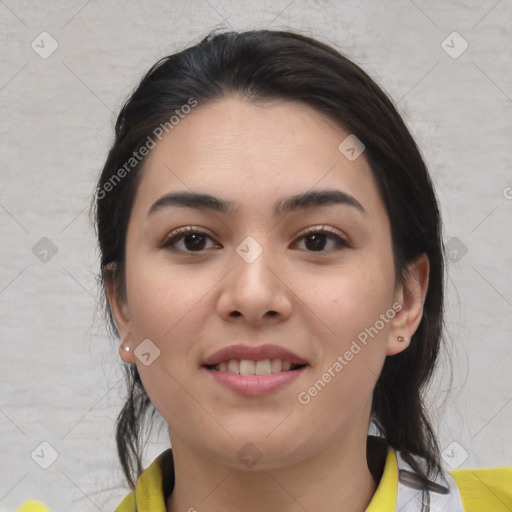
480	490
477	490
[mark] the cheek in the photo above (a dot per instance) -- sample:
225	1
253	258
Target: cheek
160	300
165	307
355	303
354	349
352	298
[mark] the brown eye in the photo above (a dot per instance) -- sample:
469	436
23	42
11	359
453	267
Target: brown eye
316	240
187	240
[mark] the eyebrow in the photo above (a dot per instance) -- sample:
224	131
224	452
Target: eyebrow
302	201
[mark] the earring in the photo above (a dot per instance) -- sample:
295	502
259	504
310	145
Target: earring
401	338
126	347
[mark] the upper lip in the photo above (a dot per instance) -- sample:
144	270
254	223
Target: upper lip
253	353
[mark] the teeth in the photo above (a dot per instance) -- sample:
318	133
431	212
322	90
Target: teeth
277	365
249	367
263	367
233	366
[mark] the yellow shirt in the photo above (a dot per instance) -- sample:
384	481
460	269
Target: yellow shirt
481	490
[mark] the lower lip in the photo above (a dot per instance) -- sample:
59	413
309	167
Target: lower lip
256	384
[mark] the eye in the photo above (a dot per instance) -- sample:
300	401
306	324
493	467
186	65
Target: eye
191	239
316	238
195	240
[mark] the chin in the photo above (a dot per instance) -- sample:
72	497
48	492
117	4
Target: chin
258	451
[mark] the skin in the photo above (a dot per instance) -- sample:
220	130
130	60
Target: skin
314	455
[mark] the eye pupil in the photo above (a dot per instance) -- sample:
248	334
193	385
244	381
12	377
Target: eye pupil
318	242
198	241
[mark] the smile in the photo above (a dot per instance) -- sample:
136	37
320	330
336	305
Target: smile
253	383
250	367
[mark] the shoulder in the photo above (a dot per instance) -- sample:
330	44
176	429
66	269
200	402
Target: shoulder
151	489
468	490
33	506
128	504
485	488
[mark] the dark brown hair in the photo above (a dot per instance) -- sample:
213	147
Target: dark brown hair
262	65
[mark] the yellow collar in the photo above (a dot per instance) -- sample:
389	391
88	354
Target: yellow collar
384	499
481	489
149	497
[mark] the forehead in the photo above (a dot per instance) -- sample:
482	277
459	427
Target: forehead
253	154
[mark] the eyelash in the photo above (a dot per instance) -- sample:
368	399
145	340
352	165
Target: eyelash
180	233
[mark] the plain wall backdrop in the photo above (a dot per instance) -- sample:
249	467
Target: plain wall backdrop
66	68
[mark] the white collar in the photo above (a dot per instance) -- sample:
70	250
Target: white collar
412	496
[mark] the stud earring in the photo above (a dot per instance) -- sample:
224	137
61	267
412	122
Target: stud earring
126	347
401	338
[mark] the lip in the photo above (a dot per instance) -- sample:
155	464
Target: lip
253	353
255	384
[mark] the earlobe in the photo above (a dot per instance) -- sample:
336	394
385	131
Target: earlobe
411	295
395	346
126	353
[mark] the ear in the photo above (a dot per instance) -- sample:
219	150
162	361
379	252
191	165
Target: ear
411	295
120	312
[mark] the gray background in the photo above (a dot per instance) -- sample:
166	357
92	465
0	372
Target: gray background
59	372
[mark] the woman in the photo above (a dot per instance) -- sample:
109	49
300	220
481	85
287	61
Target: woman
272	257
274	269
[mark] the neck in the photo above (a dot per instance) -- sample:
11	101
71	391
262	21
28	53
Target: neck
336	478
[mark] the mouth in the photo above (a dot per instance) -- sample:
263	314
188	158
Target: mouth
254	370
254	378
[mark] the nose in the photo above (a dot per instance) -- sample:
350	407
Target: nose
255	291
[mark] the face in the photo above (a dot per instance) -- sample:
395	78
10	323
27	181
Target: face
314	277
